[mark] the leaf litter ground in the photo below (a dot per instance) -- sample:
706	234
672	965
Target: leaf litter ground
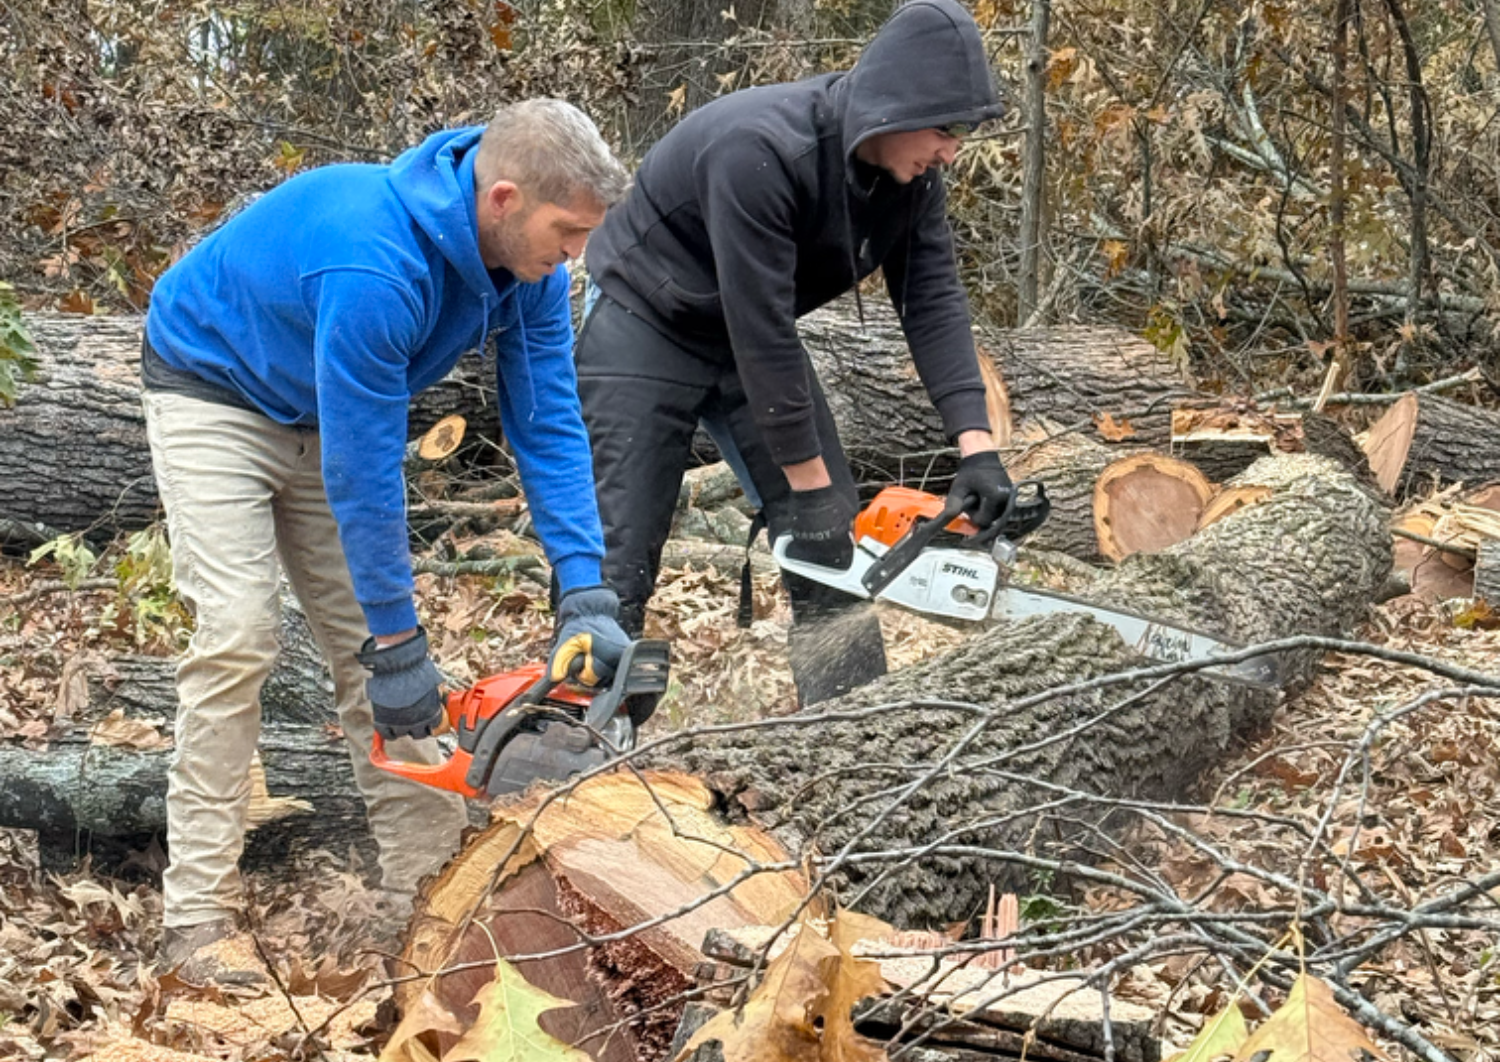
76	948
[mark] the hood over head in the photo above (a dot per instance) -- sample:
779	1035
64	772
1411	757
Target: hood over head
435	180
925	68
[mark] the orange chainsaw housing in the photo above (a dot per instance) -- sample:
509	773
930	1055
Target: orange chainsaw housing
892	512
465	711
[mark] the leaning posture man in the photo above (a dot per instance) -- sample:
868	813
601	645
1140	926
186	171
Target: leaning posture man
758	208
281	356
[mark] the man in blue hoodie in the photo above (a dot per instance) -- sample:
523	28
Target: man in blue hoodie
757	208
281	357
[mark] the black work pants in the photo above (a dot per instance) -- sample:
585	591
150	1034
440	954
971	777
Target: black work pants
643	395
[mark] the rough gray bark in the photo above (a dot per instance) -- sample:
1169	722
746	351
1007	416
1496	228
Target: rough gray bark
1453	443
1069	465
1062	375
73	451
73	783
819	786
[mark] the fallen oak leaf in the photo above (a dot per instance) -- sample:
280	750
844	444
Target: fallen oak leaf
427	1015
1224	1034
855	979
121	731
778	1021
508	1029
1309	1027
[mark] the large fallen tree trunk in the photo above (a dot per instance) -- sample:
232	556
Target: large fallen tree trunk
73	451
1062	375
1425	441
102	769
918	794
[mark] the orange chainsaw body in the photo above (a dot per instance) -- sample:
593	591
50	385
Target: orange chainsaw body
892	512
466	711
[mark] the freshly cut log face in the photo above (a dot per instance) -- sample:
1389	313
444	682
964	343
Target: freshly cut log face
1231	500
1425	439
915	795
1146	502
616	852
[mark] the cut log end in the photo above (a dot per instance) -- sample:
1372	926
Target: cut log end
1147	502
546	878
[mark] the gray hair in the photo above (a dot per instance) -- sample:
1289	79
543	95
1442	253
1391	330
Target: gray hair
551	150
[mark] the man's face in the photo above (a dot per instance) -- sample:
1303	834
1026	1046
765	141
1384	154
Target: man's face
531	239
906	156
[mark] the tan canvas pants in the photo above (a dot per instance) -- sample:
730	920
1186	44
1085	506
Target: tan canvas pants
244	499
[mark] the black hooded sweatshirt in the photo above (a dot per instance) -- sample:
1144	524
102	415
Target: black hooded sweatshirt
754	210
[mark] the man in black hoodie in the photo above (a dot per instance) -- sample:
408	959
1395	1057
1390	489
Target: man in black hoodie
757	208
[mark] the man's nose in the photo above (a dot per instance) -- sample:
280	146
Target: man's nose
573	246
948	152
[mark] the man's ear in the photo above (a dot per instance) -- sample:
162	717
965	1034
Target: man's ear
503	197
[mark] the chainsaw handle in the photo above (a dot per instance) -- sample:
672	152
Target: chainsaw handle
896	559
449	774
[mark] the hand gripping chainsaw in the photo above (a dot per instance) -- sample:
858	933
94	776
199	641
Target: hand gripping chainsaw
519	727
915	551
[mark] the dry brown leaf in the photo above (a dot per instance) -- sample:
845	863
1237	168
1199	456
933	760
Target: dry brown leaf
1113	430
1309	1027
122	731
427	1015
776	1024
854	979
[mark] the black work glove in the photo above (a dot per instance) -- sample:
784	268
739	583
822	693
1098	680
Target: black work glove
822	528
983	487
403	687
589	639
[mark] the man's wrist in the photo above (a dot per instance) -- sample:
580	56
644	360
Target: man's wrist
974	441
385	641
807	475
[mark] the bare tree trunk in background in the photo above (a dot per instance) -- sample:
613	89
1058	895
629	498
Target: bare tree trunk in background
1492	23
1033	187
1421	157
1338	370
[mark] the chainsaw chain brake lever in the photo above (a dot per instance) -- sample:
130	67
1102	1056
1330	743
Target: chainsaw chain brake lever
1020	517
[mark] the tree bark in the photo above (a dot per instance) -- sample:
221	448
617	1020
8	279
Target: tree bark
820	785
73	451
1425	440
75	782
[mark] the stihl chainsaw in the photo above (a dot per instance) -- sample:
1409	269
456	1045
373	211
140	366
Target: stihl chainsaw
914	551
518	727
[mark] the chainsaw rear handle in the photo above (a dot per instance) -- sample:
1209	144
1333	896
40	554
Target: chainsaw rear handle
1020	517
641	678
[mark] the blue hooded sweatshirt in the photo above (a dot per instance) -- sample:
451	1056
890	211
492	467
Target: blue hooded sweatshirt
341	293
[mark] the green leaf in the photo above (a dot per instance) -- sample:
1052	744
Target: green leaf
1225	1033
507	1029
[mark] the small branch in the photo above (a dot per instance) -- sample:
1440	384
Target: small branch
56	586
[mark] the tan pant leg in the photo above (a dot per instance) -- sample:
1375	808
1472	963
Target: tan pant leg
416	827
217	469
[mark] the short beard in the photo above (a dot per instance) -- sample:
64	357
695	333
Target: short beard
508	239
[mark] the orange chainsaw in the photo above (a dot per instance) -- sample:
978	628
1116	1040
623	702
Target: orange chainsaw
520	727
917	551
